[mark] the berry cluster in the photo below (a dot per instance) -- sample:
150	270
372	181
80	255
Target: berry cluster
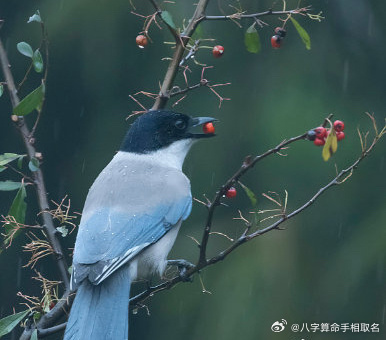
277	39
319	134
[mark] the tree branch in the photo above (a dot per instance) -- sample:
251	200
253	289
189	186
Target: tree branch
203	262
236	16
172	70
38	178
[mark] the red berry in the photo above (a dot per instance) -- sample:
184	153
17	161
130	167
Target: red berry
141	40
321	132
208	128
319	142
231	192
281	32
338	126
52	305
276	41
218	51
339	135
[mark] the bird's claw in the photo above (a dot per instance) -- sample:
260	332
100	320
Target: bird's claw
183	266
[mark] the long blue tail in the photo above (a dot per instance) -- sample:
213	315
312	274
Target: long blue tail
101	312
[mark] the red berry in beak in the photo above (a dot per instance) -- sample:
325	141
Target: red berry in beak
208	128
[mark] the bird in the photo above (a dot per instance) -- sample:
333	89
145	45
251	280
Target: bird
130	221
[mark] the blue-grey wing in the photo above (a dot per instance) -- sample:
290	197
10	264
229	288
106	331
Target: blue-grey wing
124	215
123	236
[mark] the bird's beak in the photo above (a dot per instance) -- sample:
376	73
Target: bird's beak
199	121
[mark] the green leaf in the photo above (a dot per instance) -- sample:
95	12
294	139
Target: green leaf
17	210
303	33
30	102
20	161
2	168
8	157
9	185
167	18
34	164
37	61
8	323
252	40
36	17
1	89
34	335
25	49
250	194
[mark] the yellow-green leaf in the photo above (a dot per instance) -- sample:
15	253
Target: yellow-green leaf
303	33
331	145
252	40
8	323
30	102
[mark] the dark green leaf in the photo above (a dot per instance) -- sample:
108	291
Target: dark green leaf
250	194
303	33
252	40
9	185
33	164
37	61
36	17
8	157
20	162
2	168
1	89
167	18
25	49
30	102
8	323
17	210
34	335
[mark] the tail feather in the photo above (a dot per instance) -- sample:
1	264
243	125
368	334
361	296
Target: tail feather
101	312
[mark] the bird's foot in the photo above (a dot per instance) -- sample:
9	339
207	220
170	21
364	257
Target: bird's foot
183	266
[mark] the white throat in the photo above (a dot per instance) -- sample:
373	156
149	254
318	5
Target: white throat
172	156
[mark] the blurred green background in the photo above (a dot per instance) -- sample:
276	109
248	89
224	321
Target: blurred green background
329	263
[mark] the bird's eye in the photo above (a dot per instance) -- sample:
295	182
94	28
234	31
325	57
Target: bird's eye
180	124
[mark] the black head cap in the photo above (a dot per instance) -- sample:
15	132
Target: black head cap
158	129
